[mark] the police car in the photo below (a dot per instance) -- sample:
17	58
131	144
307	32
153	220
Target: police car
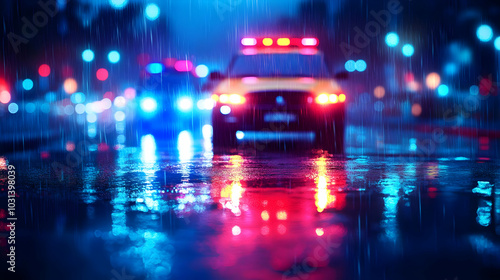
278	89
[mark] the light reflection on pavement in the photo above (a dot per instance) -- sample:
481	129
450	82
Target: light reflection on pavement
176	210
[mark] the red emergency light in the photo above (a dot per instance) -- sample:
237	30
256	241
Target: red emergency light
279	42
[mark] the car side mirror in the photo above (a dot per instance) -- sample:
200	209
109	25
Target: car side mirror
216	76
342	75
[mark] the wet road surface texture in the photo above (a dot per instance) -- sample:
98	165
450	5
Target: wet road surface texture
174	210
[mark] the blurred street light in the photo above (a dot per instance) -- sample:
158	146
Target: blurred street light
497	43
408	50
392	39
88	55
118	4
114	56
484	33
360	65
152	12
28	84
350	66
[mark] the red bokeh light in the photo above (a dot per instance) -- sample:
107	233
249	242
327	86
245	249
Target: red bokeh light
183	66
409	77
110	95
102	74
44	70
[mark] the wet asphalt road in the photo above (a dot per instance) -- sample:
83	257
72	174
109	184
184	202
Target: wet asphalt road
174	210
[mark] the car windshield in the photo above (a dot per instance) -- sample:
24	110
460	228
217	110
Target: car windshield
278	65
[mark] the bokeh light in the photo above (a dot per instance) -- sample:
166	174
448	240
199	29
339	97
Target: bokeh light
114	56
433	80
102	74
88	55
267	42
408	50
451	68
236	230
484	33
225	110
183	66
78	97
120	101
50	96
118	4
416	109
30	107
360	65
44	70
201	71
497	43
5	97
474	90
443	90
80	109
13	108
379	92
350	66
149	105
152	12
185	104
70	146
392	39
130	93
28	84
154	68
70	86
120	116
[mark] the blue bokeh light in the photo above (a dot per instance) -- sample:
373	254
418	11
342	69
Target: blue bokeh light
88	55
152	12
154	68
408	50
484	33
185	104
13	108
149	105
114	56
474	90
30	107
77	97
118	4
497	43
350	66
28	84
451	68
392	39
360	65
240	135
443	90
